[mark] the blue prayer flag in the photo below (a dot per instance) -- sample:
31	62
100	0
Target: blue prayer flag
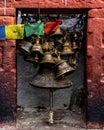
2	32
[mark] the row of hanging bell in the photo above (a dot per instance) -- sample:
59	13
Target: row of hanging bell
48	66
32	51
50	70
69	52
69	49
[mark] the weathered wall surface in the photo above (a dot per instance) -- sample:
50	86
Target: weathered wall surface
95	65
94	56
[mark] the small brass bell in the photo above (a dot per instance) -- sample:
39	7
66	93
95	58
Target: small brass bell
75	36
47	58
32	59
63	68
36	48
59	40
67	49
74	46
26	48
19	44
57	33
45	46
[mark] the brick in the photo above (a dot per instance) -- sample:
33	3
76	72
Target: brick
58	4
5	20
96	13
9	12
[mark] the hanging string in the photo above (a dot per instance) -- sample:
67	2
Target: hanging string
4	7
39	10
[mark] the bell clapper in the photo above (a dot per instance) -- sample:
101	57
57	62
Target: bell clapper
51	120
36	58
51	117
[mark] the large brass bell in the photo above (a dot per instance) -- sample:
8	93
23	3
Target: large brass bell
63	68
26	48
47	58
45	78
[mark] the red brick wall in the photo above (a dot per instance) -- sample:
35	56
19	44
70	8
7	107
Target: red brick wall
94	56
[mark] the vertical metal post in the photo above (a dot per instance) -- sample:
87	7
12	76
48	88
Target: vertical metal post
51	99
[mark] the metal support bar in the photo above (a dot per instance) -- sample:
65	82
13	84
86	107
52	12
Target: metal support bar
51	99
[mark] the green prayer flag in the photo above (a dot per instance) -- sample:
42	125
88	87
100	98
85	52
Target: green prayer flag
35	28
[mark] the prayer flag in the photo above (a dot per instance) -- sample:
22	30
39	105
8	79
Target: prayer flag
51	26
2	32
35	28
14	31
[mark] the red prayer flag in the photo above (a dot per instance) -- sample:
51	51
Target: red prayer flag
51	26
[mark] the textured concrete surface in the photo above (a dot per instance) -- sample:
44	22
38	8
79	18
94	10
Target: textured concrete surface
38	119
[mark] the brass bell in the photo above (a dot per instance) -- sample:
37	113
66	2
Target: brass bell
75	36
47	58
32	59
62	68
74	46
26	48
67	49
36	48
45	78
57	33
45	46
59	40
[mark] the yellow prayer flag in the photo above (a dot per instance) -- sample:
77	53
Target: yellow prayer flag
14	31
